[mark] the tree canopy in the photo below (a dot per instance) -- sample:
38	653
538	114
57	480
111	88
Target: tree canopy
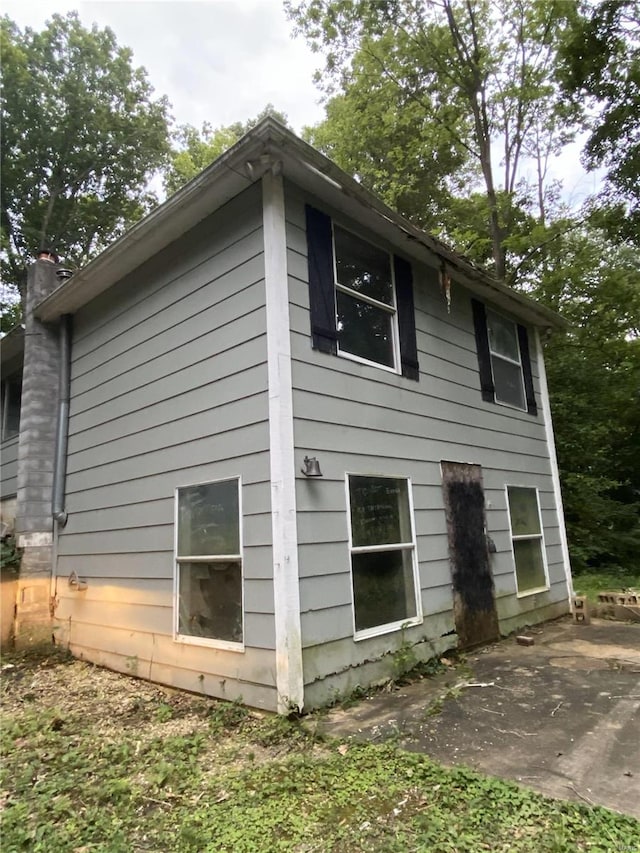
594	379
451	111
193	150
599	70
83	134
476	79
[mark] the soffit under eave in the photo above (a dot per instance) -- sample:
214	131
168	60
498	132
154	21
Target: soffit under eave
12	351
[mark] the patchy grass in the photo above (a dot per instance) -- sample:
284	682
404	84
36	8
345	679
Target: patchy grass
591	583
98	762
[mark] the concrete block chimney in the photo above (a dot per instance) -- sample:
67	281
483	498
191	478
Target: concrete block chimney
36	454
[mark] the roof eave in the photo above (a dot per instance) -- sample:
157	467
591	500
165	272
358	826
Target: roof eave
238	168
178	214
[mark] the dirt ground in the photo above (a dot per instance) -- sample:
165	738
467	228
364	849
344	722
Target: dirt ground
560	716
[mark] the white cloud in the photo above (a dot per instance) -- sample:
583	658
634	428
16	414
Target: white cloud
217	60
223	61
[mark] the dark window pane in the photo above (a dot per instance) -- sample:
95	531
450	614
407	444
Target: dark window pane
529	564
11	398
503	336
364	330
507	378
383	588
363	267
210	601
208	520
523	508
379	511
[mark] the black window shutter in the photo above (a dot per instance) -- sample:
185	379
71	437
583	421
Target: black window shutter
523	340
482	347
406	318
324	335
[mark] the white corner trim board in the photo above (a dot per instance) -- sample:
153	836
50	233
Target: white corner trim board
289	679
553	459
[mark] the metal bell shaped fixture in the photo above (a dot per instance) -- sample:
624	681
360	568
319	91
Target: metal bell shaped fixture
311	467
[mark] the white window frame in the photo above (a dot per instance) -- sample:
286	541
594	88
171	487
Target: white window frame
508	360
188	639
7	398
391	309
388	627
527	536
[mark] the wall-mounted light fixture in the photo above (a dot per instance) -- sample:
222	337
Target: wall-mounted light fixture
76	583
311	467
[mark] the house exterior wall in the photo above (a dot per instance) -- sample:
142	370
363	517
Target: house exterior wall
361	419
10	368
9	468
169	388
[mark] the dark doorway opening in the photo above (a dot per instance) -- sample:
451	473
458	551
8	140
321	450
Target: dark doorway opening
474	604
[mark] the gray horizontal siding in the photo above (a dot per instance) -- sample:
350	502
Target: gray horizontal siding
169	387
9	467
360	419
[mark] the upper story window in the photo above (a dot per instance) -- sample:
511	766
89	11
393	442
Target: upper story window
11	401
504	360
360	298
506	363
365	300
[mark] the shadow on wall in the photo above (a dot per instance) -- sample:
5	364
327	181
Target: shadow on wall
9	564
8	592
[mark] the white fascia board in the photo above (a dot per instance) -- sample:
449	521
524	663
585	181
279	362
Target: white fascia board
553	461
286	584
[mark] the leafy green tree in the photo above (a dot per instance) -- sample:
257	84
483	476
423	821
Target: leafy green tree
600	73
420	94
194	149
594	380
473	74
82	136
10	313
394	142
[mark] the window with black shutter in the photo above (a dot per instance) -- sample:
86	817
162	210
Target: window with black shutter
360	297
504	361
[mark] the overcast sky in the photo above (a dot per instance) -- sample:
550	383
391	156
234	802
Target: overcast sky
224	60
217	60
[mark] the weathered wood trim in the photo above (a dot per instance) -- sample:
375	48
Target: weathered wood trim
553	461
289	678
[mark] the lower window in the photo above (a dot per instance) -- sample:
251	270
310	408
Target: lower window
209	562
383	566
527	539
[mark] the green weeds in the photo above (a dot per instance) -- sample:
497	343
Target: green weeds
192	775
591	583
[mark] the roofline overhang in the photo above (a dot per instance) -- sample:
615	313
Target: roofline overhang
12	342
271	145
11	348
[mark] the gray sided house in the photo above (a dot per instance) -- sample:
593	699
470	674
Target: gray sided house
297	432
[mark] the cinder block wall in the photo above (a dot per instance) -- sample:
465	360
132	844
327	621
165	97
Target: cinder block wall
36	453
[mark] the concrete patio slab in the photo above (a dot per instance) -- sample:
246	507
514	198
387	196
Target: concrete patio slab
561	716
